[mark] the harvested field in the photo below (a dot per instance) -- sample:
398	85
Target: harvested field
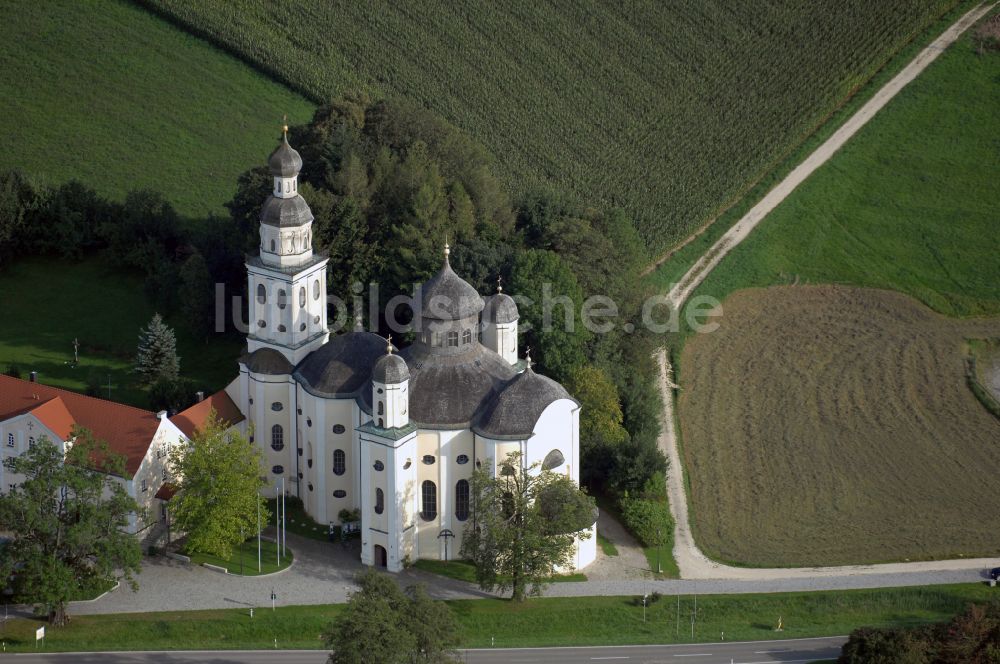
828	425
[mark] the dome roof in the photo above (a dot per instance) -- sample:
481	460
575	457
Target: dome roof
341	366
390	369
447	391
513	414
500	309
284	161
446	296
284	212
267	361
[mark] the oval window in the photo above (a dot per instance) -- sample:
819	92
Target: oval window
309	422
339	428
302	296
428	459
277	407
462	459
261	294
310	486
379	466
339	462
261	323
302	327
316	320
553	459
277	470
281	298
309	463
281	328
340	493
316	289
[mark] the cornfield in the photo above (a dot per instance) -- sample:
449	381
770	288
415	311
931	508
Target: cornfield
668	110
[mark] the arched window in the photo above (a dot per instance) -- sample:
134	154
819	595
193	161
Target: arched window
272	246
339	462
453	338
466	337
316	289
379	501
261	294
429	500
277	438
302	297
288	186
381	408
552	460
281	298
462	500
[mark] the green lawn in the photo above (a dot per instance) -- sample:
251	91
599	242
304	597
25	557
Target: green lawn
248	557
464	570
668	110
537	622
104	309
909	204
104	92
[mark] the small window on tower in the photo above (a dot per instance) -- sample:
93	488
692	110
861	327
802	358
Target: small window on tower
316	289
288	186
302	297
466	337
272	246
261	294
281	298
453	338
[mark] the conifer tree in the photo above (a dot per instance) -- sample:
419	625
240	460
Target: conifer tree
156	358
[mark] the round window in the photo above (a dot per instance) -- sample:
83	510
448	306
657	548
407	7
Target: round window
302	327
340	493
277	470
277	407
310	486
339	428
379	466
428	459
282	328
261	323
462	459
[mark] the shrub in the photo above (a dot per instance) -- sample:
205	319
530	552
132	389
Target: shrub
648	519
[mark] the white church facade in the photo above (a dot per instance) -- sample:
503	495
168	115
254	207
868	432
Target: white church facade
347	422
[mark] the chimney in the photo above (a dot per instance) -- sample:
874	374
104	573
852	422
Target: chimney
161	415
199	397
33	376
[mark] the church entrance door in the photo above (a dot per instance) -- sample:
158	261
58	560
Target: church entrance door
381	557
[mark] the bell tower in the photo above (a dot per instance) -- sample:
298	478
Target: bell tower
287	280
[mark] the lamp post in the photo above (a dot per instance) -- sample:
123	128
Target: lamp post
659	545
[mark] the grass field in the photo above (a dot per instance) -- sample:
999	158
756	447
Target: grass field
46	308
668	110
908	204
538	622
244	561
842	416
106	93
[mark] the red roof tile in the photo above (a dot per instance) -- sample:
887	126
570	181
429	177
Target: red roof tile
54	414
196	416
127	430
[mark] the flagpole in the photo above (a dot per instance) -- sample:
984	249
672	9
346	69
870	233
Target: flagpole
277	524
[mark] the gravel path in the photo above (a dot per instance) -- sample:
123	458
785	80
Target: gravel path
630	563
693	564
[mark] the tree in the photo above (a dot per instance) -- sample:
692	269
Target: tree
68	518
218	480
601	429
385	625
524	525
557	336
157	353
197	295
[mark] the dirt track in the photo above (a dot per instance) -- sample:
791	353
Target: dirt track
692	562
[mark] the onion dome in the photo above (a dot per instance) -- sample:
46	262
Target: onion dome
286	212
446	296
285	161
513	414
390	369
268	362
342	366
500	309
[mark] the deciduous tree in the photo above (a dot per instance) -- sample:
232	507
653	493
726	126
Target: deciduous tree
68	519
523	526
218	480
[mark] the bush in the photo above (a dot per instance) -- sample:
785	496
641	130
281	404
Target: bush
647	518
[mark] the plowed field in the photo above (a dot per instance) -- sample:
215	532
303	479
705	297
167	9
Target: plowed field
828	425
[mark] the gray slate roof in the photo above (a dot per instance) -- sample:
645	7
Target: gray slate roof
284	161
448	391
501	309
513	414
284	212
342	366
446	296
390	369
267	361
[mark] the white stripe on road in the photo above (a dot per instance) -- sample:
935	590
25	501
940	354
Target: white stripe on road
618	657
700	654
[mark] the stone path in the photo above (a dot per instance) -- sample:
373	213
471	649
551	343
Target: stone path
630	563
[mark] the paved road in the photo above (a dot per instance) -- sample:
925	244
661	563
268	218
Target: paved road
746	652
693	564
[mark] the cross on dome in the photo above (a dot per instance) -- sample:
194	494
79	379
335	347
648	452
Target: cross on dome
388	347
499	287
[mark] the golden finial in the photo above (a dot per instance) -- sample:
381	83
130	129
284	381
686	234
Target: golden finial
527	356
388	346
447	247
499	287
284	125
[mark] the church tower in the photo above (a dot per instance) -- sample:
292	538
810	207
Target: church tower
287	281
499	325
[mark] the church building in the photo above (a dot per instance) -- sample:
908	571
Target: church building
349	422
